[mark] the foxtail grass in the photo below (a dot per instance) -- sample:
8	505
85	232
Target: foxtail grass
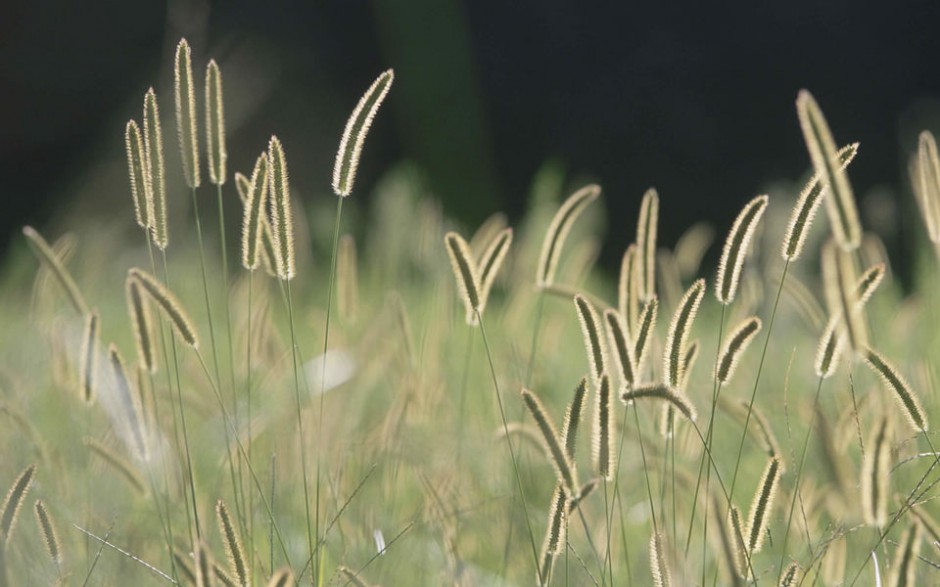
354	135
9	511
928	183
875	472
840	202
233	545
646	245
186	113
168	303
50	538
555	449
804	211
738	342
736	249
593	339
47	256
569	431
88	373
678	333
139	177
558	232
153	148
142	326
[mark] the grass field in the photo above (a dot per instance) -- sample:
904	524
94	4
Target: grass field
312	398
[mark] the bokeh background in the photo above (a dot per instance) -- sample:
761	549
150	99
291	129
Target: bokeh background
696	99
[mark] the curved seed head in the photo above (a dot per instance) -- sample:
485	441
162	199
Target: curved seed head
153	147
141	190
646	244
736	248
840	203
215	124
354	135
186	113
558	232
804	211
282	226
465	273
678	333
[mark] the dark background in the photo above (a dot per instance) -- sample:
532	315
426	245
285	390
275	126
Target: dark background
696	99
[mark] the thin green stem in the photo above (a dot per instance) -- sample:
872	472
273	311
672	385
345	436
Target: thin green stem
179	401
326	343
533	347
760	366
799	474
300	421
716	392
512	453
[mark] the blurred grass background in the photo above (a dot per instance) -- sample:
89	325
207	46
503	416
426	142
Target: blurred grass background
696	100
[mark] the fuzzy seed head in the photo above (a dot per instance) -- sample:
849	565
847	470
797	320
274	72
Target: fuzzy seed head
558	231
840	201
354	135
280	209
141	190
678	333
465	273
153	147
803	213
736	247
186	113
215	124
646	244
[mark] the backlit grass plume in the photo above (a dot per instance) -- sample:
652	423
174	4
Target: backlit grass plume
875	475
663	393
554	542
233	545
804	211
282	226
558	231
593	339
47	256
628	289
141	323
898	385
138	174
621	349
153	147
50	538
10	509
840	201
678	334
569	430
928	183
168	303
645	327
490	262
662	577
735	346
553	445
602	435
646	244
762	506
215	124
186	113
736	248
465	273
354	135
88	368
253	219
